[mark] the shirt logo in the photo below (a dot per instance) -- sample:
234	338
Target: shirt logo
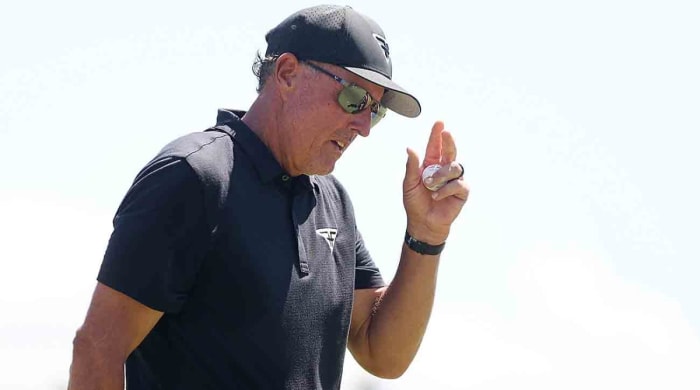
381	41
328	234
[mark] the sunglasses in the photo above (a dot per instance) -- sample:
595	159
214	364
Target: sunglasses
353	98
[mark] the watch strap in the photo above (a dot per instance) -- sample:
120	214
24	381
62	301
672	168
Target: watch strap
422	247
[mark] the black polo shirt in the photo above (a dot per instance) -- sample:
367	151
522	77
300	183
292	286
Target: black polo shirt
254	270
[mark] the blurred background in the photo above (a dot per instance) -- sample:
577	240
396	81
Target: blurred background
574	264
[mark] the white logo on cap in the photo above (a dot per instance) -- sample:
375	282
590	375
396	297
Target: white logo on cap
381	41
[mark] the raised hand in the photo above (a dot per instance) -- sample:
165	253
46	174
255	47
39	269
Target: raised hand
430	214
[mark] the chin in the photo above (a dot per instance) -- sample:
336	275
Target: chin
322	170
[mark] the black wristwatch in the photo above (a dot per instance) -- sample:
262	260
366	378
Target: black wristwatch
423	247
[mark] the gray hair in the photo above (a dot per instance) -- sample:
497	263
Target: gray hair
262	68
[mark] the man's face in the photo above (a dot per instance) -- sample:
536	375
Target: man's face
321	130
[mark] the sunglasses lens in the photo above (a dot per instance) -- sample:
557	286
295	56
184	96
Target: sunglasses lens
353	99
378	115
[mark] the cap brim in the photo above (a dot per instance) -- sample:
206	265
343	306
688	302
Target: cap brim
395	98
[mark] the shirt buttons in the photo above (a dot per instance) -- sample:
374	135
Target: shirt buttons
285	177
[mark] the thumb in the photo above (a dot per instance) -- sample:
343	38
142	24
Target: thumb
413	172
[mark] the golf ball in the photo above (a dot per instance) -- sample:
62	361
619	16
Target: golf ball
429	171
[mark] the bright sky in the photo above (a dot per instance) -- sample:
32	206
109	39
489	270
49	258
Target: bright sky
573	265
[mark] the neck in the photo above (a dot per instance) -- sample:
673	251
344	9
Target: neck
263	117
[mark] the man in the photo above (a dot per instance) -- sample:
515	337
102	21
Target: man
235	261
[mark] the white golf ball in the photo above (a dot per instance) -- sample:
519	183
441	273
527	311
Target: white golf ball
429	171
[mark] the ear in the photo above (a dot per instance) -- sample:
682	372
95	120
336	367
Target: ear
287	69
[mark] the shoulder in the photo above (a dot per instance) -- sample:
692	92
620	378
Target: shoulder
197	163
203	146
208	153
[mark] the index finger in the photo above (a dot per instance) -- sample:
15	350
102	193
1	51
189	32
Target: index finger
434	149
449	148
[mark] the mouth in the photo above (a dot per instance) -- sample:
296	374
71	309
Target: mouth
340	145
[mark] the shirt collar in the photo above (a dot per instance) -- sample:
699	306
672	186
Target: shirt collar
264	161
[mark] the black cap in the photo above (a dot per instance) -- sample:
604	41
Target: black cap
344	37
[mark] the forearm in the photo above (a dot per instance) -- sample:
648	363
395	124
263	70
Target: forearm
385	340
91	369
396	328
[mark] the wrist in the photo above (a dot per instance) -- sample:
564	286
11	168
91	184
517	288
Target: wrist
422	247
431	235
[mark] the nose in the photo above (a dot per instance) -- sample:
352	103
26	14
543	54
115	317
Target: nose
362	122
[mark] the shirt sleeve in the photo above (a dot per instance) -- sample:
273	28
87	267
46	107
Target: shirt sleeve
160	236
367	274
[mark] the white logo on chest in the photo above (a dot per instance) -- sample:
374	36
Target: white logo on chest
328	234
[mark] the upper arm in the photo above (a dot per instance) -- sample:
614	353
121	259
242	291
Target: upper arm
115	323
151	261
161	233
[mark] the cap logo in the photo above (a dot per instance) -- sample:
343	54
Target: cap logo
381	41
